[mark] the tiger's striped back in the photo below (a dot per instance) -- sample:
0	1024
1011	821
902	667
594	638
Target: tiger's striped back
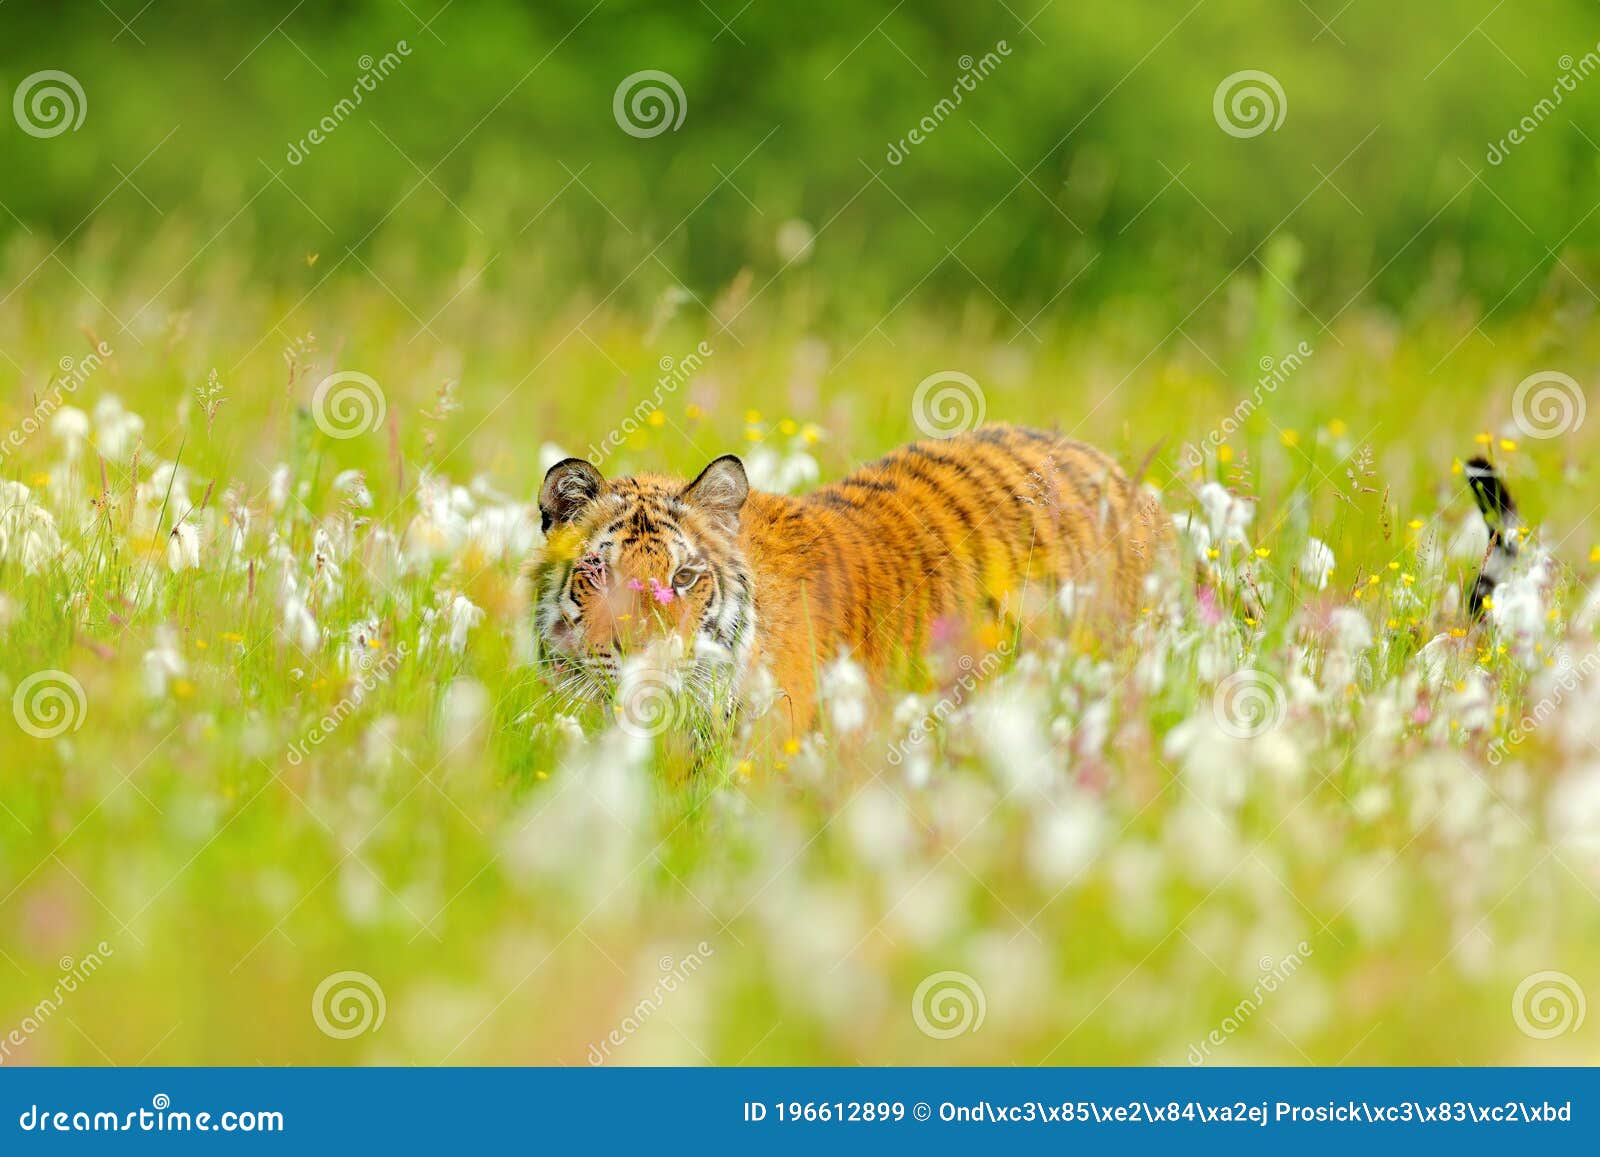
944	530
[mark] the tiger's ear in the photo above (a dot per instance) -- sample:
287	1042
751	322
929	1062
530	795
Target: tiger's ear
720	491
569	486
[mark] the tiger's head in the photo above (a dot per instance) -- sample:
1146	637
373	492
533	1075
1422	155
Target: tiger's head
647	563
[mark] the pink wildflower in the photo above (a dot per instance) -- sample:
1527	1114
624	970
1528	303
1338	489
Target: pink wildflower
662	594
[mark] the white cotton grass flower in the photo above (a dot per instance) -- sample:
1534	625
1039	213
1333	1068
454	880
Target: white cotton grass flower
463	714
163	664
352	485
28	534
325	572
1010	728
183	548
1316	563
71	426
441	526
1227	516
116	430
781	473
464	616
1066	840
299	627
843	691
278	487
1518	608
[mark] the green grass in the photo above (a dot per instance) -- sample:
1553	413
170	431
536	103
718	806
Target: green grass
514	884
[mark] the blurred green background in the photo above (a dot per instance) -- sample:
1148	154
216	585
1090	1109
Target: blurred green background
1089	156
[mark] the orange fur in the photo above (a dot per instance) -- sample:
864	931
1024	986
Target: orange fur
945	530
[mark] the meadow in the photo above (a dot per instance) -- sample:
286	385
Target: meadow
289	726
280	779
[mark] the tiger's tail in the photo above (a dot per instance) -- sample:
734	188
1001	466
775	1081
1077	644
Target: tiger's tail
1505	530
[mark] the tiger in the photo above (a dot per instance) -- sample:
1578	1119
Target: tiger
867	567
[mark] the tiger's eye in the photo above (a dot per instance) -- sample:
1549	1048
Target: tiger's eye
685	579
